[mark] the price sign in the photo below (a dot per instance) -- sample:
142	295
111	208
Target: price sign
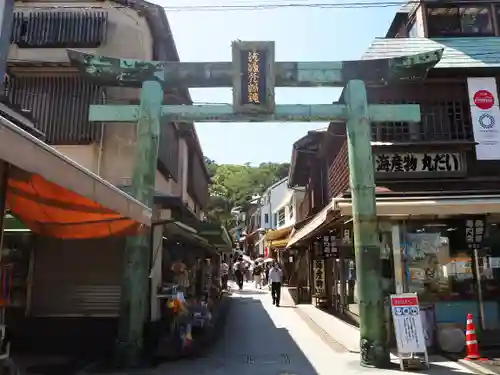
408	326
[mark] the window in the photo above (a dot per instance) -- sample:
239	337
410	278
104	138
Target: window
459	20
281	217
275	219
290	209
266	218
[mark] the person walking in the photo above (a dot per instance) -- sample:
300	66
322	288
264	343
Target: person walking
257	275
238	272
275	276
224	274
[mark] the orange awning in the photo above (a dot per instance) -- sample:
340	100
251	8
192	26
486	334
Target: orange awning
50	210
56	197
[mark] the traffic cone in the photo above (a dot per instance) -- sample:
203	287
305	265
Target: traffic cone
471	341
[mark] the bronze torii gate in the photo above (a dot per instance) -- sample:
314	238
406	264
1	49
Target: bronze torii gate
253	74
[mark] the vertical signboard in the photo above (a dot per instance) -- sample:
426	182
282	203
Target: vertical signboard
319	276
408	327
253	77
485	114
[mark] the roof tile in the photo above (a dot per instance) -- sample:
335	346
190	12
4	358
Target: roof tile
476	52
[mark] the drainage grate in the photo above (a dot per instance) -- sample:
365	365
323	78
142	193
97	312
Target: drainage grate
282	358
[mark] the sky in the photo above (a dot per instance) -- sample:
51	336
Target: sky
300	34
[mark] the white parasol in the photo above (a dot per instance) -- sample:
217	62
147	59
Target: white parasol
247	259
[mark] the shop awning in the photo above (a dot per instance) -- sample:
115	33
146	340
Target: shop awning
316	222
55	197
216	235
278	237
278	234
428	205
13	225
179	231
278	243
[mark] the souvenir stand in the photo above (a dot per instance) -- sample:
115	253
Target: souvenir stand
190	293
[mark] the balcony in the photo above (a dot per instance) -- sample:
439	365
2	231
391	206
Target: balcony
444	109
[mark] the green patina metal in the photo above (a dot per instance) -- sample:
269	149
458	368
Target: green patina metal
282	113
354	75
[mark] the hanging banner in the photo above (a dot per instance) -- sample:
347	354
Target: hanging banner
485	115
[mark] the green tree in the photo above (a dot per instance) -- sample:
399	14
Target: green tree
234	185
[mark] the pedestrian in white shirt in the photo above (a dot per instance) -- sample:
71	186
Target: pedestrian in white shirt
275	275
224	274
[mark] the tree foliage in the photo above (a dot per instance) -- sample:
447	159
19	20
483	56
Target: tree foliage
234	185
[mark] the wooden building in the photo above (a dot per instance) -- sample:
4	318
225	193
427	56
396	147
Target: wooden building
437	181
74	287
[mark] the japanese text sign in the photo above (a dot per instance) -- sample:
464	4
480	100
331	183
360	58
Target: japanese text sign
410	163
408	326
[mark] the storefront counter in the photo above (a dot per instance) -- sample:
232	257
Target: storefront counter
456	312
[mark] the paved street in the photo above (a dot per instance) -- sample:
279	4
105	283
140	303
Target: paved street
261	339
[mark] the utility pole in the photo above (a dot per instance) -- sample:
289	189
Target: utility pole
373	335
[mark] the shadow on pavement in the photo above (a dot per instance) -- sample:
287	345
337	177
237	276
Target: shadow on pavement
251	344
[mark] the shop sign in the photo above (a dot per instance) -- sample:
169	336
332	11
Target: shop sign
422	163
408	326
474	232
326	247
347	237
319	276
254	78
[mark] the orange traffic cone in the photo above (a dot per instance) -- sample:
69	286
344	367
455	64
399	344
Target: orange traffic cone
471	341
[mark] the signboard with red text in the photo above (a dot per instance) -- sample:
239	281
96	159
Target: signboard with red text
408	326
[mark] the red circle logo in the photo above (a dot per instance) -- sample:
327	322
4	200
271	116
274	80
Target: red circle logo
484	99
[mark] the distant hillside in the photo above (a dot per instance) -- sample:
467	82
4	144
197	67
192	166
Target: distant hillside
234	185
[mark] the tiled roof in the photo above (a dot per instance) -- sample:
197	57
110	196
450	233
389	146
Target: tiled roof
458	52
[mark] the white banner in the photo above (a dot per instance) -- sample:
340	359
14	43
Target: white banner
483	88
485	116
486	129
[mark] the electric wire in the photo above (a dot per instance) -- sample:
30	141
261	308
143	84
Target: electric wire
246	5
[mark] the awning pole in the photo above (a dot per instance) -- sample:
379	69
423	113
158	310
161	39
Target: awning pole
4	178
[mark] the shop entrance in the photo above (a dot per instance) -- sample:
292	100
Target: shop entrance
345	298
453	264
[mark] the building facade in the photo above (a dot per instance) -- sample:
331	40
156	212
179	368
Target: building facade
270	219
437	181
82	279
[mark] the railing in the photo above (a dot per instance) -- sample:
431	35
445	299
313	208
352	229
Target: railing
444	107
59	29
59	105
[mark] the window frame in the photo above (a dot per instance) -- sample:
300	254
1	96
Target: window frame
458	6
281	219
